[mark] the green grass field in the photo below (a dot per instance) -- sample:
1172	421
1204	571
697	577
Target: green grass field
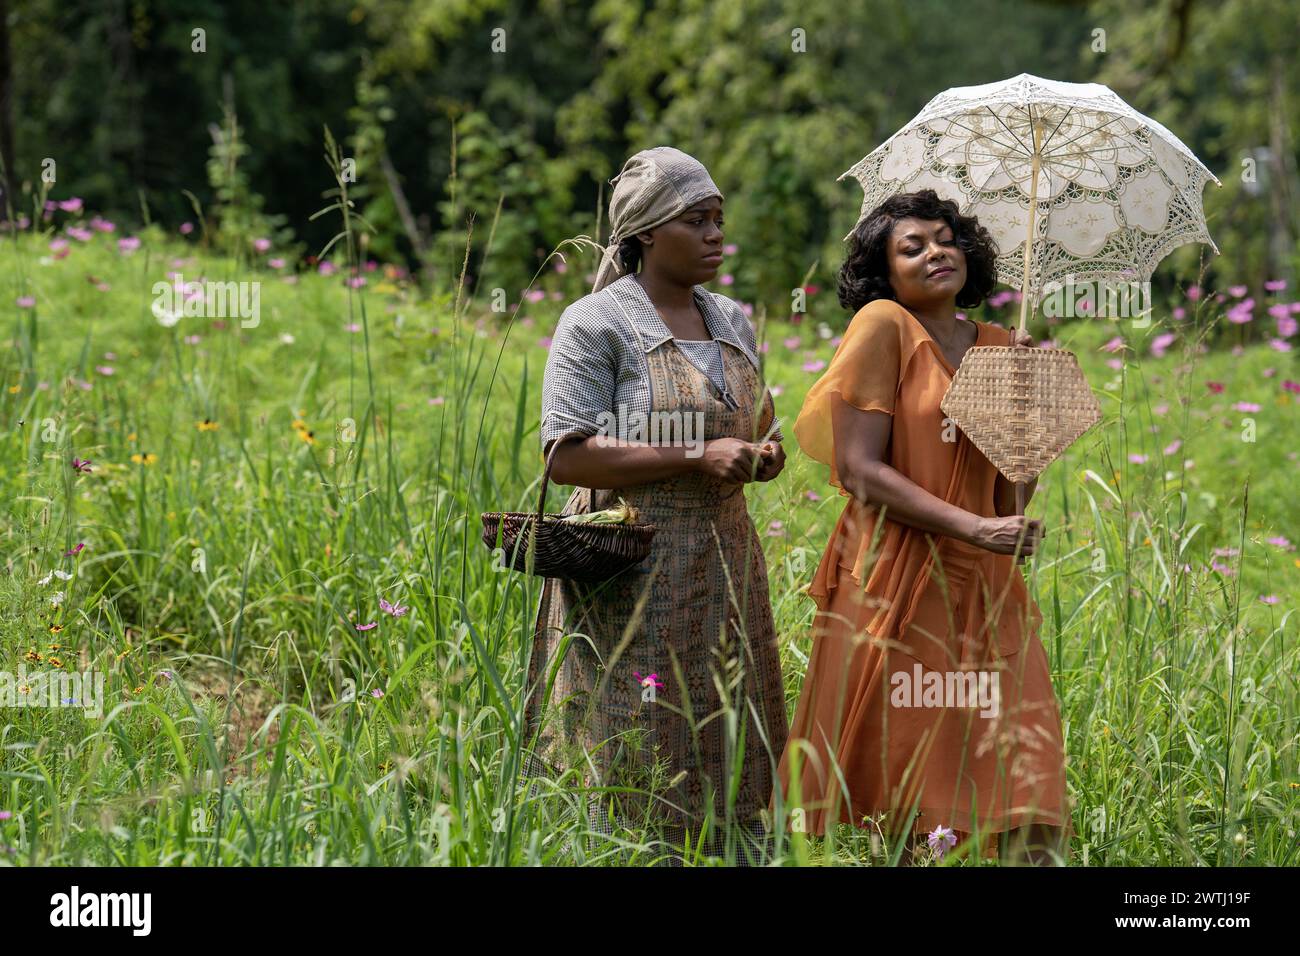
253	493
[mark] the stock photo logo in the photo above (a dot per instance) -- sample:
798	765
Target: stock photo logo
83	690
82	909
665	429
918	687
179	299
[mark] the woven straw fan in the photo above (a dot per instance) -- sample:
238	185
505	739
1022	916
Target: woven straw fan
1075	185
1021	407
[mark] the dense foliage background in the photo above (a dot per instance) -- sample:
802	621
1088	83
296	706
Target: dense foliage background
525	138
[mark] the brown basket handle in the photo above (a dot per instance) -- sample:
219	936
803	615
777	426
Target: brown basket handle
546	475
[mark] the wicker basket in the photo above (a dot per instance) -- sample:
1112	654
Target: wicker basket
579	552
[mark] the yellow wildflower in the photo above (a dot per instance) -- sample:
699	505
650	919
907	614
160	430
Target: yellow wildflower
148	458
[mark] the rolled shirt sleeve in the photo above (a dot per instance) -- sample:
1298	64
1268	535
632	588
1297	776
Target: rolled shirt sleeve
579	381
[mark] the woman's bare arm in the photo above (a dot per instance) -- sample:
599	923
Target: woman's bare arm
601	462
860	441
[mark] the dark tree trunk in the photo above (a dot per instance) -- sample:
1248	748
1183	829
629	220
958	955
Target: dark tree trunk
9	177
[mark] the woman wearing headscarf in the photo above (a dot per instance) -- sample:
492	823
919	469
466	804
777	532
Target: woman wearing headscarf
675	661
928	698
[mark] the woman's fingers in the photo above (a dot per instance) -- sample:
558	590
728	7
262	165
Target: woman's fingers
1033	533
748	462
1019	537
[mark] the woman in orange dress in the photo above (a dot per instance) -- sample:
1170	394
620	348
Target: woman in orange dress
928	696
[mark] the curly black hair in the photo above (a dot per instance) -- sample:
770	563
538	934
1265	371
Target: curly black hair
864	276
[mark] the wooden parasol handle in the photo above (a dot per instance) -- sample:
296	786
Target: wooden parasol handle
1033	213
1029	245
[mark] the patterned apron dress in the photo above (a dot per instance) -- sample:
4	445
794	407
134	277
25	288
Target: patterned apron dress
673	662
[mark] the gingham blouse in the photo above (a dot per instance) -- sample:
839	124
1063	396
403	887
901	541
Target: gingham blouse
706	355
597	360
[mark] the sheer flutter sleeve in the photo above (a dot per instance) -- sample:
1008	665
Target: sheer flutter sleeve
864	372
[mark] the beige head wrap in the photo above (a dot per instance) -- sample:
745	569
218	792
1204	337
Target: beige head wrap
656	185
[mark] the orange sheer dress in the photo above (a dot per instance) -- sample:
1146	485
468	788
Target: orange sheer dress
928	687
